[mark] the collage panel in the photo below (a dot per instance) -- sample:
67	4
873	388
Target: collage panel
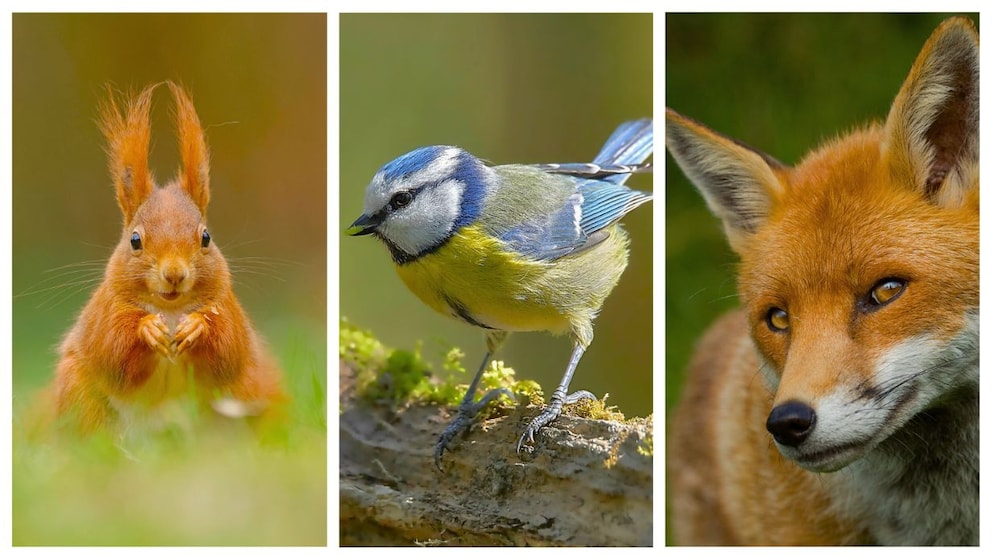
495	179
169	280
822	302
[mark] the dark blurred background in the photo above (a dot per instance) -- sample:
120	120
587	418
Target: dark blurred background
525	88
781	83
259	86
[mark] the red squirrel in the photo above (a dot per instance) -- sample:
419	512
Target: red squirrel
165	313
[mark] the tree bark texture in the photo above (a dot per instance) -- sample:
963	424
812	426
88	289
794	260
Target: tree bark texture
585	482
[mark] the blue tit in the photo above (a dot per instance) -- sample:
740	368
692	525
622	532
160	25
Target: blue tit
511	247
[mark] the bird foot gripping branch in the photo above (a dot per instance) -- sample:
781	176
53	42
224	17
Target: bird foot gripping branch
551	412
464	419
510	247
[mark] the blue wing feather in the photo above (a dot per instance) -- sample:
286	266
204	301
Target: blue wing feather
604	203
600	198
630	144
549	238
623	154
595	205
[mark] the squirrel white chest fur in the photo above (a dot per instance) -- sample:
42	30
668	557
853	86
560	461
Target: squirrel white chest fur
170	387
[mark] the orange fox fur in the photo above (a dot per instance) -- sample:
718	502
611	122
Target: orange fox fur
840	404
165	312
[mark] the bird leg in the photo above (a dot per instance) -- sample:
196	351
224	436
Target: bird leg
559	398
469	407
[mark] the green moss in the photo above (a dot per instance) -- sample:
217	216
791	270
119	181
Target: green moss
359	347
646	447
596	409
402	378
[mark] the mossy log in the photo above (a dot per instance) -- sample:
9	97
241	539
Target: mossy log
585	482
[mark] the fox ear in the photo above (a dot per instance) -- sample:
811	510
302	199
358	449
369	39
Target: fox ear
932	130
194	178
127	131
738	183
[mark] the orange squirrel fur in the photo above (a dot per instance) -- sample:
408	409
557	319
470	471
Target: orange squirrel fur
165	312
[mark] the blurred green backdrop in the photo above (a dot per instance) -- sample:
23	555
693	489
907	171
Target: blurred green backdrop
510	89
259	85
781	83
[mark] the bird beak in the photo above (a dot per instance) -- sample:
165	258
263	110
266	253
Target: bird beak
366	224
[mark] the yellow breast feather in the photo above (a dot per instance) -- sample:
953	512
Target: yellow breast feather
474	278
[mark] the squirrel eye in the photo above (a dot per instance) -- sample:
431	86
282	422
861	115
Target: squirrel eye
777	320
135	241
205	239
886	290
400	199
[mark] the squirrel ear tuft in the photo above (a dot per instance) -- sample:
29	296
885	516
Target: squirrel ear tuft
194	177
127	131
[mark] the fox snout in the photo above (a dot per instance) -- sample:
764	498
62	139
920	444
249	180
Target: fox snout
791	423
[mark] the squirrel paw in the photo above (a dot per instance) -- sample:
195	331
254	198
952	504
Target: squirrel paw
190	328
153	331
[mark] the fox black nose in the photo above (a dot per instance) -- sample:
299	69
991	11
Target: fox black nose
791	422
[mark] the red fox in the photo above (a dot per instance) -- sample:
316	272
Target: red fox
839	405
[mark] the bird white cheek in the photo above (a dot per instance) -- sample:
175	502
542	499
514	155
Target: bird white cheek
427	221
381	189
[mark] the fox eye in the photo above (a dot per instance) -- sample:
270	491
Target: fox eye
400	199
886	290
205	239
135	241
777	320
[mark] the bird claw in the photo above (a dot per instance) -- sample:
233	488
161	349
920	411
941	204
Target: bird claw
457	426
462	422
550	413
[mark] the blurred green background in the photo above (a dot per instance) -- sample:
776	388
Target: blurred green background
259	85
509	89
781	83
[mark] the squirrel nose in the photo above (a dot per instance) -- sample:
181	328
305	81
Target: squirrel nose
174	273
